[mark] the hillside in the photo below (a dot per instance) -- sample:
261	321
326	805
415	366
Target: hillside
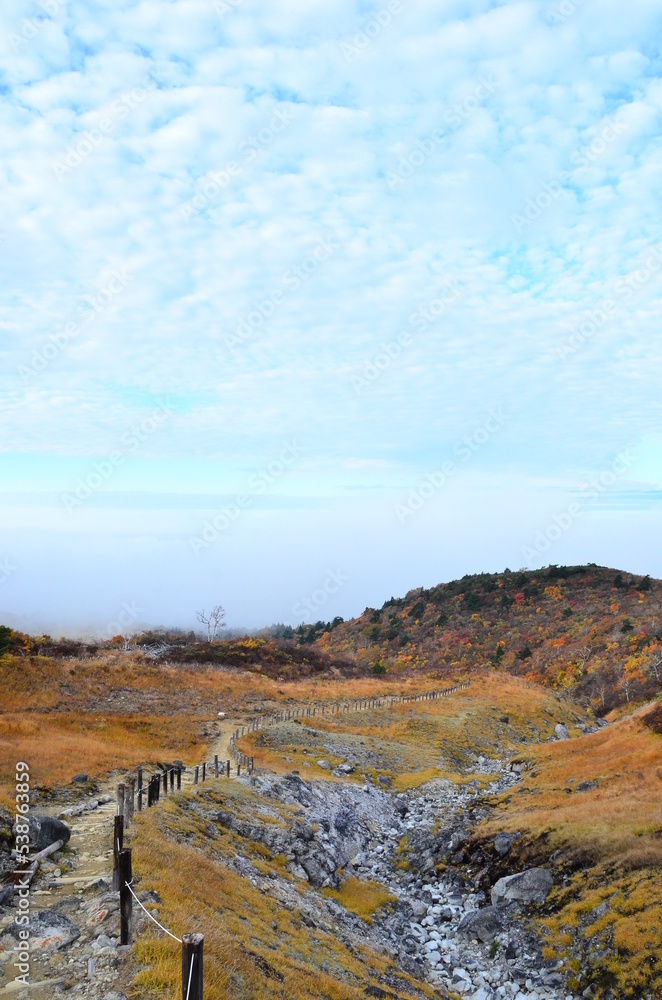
590	630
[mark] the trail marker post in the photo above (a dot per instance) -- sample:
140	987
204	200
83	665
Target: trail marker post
118	841
126	899
192	968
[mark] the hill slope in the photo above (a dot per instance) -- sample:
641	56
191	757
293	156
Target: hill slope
588	629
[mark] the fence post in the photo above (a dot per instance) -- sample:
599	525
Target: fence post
132	797
118	842
204	770
140	799
179	778
195	776
126	900
120	799
227	767
216	765
192	968
140	778
171	772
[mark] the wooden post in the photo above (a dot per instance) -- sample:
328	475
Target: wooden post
172	779
204	770
132	797
192	967
216	765
120	800
126	899
140	799
118	842
179	778
238	769
227	767
140	778
195	777
165	782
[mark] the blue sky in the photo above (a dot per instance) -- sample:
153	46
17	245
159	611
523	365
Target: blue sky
294	290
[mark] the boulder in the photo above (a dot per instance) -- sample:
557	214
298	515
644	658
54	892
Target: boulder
79	779
418	908
483	924
345	820
530	886
561	732
45	830
503	842
324	764
48	929
586	786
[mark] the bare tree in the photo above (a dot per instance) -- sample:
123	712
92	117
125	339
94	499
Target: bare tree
654	667
583	654
212	621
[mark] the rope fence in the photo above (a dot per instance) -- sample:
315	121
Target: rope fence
168	779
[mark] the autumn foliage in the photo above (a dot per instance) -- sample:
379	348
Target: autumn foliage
588	630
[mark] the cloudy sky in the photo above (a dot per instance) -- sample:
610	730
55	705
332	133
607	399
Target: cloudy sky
308	304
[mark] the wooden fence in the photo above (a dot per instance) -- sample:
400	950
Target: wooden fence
168	779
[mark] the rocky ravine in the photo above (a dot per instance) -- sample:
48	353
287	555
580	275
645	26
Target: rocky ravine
440	927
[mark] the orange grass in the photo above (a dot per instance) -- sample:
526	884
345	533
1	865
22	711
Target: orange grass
621	818
58	746
253	945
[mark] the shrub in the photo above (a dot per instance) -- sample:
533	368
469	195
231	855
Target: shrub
378	668
524	653
5	638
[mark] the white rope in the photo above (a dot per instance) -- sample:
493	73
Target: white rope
190	976
128	885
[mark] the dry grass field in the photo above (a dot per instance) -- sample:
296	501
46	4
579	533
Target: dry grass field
116	710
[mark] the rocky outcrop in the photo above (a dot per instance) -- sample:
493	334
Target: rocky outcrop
45	830
503	842
530	886
482	924
48	929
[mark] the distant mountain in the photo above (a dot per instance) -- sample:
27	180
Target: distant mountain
589	629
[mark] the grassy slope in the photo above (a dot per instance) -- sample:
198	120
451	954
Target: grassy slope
118	710
588	630
607	846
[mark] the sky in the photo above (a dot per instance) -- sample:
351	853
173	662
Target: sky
306	305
